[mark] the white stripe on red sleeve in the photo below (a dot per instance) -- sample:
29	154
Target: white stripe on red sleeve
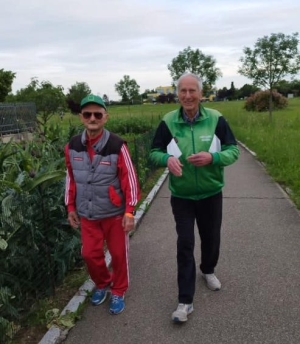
131	175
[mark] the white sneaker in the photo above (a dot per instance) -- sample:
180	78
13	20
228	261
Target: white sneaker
182	311
212	282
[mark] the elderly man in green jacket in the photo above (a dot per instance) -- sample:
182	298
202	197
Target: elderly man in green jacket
195	143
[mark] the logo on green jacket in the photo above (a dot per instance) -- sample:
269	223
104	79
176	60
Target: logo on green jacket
205	138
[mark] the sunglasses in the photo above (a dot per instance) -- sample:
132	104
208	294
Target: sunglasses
87	115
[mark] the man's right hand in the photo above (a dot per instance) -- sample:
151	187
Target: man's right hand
175	166
73	219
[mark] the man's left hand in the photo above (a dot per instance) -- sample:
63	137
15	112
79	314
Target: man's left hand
200	159
128	223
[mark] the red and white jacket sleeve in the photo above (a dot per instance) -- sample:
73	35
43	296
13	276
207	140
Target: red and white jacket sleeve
128	179
70	191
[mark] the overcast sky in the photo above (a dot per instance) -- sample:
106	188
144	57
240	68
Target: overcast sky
100	41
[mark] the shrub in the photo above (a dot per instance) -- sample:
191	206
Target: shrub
259	101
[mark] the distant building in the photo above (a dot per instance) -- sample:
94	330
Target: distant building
165	89
159	91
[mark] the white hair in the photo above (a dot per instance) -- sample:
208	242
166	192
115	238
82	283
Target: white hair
185	74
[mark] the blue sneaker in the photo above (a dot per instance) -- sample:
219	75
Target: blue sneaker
99	296
117	304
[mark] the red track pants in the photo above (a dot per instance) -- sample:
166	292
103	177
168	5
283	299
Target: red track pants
93	234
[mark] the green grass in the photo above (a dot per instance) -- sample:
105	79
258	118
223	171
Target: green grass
275	142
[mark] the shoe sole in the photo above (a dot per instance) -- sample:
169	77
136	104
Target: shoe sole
101	301
177	320
212	289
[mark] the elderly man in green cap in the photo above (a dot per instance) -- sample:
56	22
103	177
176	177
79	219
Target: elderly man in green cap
102	191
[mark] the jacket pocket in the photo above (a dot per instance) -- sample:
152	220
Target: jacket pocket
114	197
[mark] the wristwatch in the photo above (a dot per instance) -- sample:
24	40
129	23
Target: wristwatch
132	212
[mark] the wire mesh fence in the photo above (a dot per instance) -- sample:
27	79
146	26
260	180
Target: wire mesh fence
17	117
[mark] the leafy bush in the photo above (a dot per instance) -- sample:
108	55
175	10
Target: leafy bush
259	101
37	246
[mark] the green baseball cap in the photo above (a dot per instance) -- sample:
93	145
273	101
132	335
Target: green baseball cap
91	98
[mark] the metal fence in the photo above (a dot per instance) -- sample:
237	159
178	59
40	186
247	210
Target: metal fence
17	117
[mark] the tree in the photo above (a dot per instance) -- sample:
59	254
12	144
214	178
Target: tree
162	98
222	93
28	93
231	95
105	98
77	92
246	91
272	58
171	98
47	98
295	86
284	87
127	88
6	80
194	61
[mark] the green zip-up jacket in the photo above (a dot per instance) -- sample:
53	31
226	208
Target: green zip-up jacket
209	133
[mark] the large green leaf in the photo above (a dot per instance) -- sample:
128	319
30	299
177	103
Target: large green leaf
44	180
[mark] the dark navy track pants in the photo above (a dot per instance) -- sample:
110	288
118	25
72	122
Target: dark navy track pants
207	213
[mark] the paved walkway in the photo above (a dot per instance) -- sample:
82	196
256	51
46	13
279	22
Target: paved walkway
259	269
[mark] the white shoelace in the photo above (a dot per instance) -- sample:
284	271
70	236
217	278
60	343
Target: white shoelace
115	298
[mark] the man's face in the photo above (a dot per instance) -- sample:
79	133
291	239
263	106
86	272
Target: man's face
189	95
90	118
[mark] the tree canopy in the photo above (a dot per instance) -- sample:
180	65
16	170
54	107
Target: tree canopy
127	88
105	98
76	93
272	58
194	61
48	98
6	80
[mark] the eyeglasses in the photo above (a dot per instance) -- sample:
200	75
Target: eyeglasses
87	115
